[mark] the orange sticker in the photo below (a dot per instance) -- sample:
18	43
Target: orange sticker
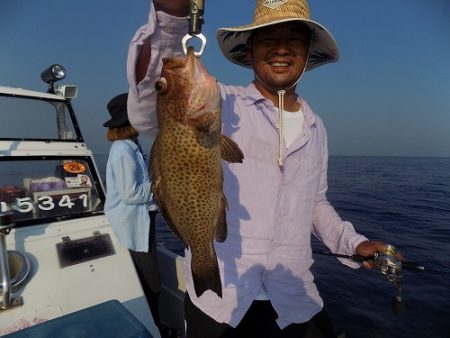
74	167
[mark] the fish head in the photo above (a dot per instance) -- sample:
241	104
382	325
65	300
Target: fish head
185	89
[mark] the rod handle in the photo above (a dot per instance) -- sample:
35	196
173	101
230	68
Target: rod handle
359	258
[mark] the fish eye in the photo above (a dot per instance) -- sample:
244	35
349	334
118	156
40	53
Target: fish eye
161	85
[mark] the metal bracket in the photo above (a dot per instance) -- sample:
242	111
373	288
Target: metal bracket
14	303
196	9
187	37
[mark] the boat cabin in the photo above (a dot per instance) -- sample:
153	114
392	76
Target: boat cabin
60	261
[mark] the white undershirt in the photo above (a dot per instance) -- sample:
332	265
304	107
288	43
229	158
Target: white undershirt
293	123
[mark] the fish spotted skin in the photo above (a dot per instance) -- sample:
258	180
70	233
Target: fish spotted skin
186	167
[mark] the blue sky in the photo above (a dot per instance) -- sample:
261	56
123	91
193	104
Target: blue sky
388	95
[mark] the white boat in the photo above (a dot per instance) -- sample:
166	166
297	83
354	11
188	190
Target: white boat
60	260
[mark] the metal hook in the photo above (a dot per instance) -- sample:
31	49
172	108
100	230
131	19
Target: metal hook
187	37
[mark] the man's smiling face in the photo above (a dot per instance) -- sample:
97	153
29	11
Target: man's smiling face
279	53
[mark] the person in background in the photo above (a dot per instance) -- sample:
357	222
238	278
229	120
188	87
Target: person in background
128	200
277	197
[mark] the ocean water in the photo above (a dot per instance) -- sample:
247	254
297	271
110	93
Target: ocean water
401	201
404	202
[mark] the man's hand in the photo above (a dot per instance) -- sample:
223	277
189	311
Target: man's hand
368	249
172	7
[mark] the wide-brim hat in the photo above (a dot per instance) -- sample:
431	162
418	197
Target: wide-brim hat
233	40
117	108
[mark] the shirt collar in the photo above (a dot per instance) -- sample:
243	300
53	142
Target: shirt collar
252	94
310	117
133	145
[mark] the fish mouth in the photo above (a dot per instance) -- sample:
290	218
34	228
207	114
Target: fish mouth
188	63
191	61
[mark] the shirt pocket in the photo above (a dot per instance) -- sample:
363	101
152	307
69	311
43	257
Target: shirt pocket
307	177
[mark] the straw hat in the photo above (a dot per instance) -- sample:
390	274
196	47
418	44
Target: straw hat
233	40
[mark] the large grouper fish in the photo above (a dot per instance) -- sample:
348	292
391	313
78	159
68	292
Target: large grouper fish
185	164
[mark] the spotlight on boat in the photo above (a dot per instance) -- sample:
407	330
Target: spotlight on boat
53	74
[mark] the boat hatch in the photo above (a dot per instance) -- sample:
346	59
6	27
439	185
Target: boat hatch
84	249
41	189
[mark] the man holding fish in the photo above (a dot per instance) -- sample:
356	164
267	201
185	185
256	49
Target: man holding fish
257	209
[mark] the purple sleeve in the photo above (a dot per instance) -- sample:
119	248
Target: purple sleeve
338	235
165	32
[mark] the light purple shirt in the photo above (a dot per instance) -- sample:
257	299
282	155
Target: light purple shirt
272	210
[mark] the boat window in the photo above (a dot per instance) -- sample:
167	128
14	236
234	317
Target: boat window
50	119
49	188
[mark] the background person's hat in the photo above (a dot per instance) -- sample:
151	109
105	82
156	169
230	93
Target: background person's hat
233	40
117	108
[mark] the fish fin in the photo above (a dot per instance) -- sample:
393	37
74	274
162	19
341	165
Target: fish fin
205	272
230	150
221	227
203	122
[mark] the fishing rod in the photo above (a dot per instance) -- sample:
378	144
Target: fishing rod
390	266
405	264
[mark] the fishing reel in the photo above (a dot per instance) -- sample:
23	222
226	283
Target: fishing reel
388	264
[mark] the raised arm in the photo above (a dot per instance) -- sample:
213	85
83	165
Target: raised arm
159	37
177	8
172	7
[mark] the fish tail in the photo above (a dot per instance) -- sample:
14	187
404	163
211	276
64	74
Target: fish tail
205	273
